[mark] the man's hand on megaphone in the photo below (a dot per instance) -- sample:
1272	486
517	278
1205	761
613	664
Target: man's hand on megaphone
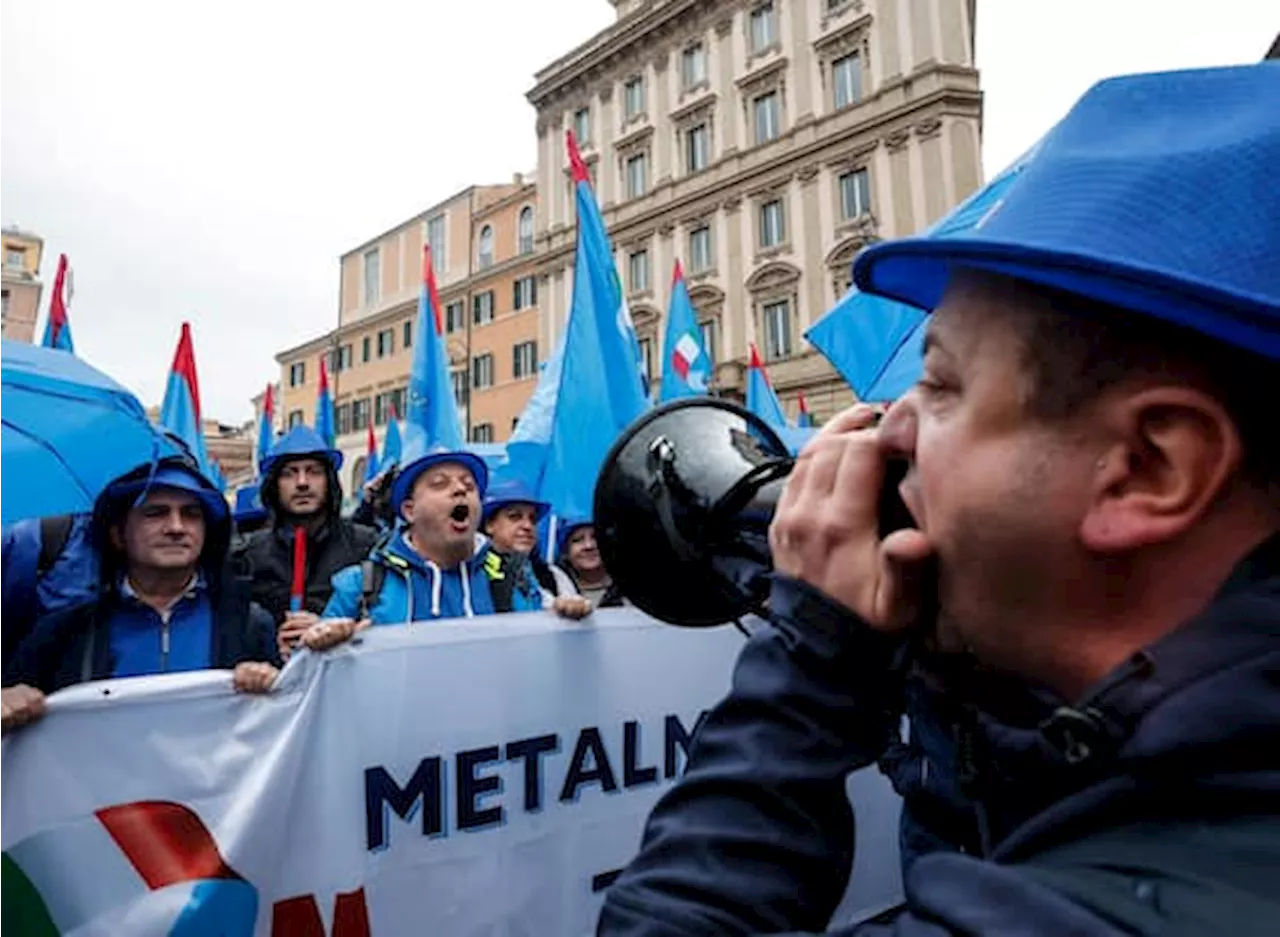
825	531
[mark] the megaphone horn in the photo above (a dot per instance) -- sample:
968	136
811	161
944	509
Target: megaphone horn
682	510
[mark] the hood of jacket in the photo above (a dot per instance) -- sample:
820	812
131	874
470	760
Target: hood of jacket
301	442
1199	708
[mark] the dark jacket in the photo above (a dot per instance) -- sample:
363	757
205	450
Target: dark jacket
269	554
337	544
73	645
1152	805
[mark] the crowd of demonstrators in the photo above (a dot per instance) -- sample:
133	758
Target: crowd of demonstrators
302	494
1085	627
168	599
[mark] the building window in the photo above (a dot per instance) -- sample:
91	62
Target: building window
846	80
298	374
360	414
386	342
768	116
633	97
482	307
295	418
524	359
693	66
485	255
342	417
365	345
855	194
4	304
525	235
764	27
773	224
582	125
482	371
344	358
372	276
700	249
14	258
525	292
697	148
386	404
710	339
460	388
482	432
455	316
436	241
776	320
638	268
637	171
646	355
407	340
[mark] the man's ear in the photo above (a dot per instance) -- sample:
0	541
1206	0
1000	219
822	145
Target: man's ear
1172	451
406	510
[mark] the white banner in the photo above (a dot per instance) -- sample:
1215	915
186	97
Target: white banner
458	778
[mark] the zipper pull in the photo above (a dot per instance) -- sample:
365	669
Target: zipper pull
164	647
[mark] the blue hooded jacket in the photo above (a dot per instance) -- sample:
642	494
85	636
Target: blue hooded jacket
1149	806
113	635
415	589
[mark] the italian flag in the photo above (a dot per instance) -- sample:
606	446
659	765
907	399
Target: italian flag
142	868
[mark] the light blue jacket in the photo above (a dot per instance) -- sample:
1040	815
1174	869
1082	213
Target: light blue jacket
415	589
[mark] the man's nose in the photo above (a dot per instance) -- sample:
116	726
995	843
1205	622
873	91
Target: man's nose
897	429
174	523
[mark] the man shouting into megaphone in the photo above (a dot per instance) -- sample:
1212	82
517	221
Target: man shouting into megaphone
1094	475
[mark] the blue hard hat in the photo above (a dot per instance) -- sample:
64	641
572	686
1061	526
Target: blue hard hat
512	491
403	486
299	443
1157	194
566	529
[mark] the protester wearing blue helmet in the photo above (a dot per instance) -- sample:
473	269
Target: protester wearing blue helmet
302	493
1094	471
168	600
511	516
578	555
436	565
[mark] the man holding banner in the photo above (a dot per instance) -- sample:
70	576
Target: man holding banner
169	602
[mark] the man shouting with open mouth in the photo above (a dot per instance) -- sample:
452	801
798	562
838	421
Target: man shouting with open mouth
437	565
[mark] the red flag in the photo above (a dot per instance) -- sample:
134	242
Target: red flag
184	365
429	281
577	168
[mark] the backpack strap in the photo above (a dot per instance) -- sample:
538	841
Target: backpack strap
54	533
371	577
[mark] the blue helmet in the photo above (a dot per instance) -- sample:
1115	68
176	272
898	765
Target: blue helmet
511	491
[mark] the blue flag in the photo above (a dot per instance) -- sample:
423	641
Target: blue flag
685	365
180	411
392	453
530	441
602	389
432	418
57	327
266	427
326	425
876	343
761	399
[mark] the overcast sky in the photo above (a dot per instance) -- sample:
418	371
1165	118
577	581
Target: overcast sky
210	162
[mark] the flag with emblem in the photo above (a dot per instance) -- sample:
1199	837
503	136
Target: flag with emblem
325	422
686	367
